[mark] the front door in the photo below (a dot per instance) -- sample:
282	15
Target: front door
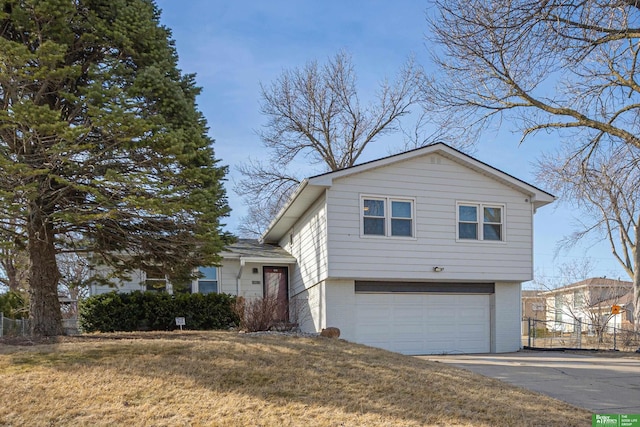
276	286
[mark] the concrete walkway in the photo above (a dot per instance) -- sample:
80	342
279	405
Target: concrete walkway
604	385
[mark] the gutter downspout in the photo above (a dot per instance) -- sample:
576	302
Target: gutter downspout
238	278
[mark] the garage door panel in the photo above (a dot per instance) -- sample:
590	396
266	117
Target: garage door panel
408	347
410	330
424	323
444	346
414	315
376	313
472	314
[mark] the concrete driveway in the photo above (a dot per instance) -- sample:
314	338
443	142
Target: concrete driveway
604	385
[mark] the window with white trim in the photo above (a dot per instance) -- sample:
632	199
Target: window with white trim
208	283
155	279
387	216
479	221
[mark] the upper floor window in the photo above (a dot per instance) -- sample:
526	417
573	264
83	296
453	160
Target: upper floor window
478	221
374	217
387	216
578	299
537	306
208	283
558	306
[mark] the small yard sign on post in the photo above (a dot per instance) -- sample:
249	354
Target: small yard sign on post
180	322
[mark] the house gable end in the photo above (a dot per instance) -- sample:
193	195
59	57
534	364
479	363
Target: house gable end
311	188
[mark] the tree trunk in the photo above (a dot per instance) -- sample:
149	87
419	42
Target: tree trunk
636	297
44	310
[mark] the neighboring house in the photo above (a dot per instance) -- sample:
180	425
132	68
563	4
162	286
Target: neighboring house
420	252
534	308
589	302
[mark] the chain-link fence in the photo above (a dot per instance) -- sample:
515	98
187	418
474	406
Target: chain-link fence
13	327
578	335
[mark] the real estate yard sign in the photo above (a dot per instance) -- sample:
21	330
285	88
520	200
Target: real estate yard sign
607	420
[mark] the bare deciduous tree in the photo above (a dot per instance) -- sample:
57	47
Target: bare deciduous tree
604	187
552	65
562	66
314	113
76	275
15	268
423	131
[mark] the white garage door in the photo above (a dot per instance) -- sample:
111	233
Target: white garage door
424	323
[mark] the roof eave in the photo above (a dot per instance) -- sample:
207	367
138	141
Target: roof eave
305	195
311	188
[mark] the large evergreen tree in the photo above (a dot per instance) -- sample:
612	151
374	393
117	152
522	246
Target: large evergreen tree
101	142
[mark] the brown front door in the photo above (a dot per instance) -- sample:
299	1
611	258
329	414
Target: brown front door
276	285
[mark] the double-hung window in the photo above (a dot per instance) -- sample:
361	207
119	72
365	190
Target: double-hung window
374	220
208	283
154	279
479	221
387	216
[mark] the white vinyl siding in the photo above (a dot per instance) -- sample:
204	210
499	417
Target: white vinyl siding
436	183
311	304
250	284
227	274
307	242
506	313
135	283
340	303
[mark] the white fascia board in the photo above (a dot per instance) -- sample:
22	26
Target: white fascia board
258	259
284	209
265	260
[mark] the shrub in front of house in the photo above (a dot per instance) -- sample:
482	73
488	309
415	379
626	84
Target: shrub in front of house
156	311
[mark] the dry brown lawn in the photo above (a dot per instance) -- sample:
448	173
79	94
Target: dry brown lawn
231	379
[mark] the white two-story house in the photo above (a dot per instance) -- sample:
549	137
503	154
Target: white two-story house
420	252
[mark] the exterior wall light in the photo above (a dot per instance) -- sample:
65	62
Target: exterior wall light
438	269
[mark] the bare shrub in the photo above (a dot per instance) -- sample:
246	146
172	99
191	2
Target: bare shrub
629	339
257	314
265	314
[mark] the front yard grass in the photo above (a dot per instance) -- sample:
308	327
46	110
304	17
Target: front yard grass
231	379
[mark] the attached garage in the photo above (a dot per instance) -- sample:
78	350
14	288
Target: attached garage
424	318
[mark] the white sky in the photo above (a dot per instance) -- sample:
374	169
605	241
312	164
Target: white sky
233	46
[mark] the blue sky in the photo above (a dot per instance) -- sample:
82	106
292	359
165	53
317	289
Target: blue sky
235	46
